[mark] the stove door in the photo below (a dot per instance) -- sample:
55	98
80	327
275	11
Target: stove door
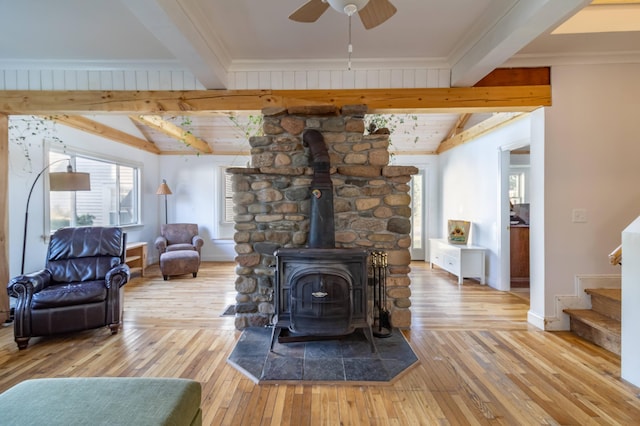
321	304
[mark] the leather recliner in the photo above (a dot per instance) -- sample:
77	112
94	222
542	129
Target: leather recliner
79	288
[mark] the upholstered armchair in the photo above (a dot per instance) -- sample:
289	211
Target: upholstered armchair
179	247
179	236
79	288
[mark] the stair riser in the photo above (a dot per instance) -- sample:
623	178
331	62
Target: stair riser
606	306
608	341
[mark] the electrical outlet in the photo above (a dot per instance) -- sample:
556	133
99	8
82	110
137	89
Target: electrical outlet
579	215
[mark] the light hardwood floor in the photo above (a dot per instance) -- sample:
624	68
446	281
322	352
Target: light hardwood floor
480	362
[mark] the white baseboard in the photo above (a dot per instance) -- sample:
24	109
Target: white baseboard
580	299
222	251
536	320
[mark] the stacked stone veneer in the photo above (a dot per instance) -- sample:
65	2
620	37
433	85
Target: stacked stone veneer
272	200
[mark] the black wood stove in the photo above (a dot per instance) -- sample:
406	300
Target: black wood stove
321	290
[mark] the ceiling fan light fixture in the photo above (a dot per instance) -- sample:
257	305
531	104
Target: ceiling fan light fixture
348	7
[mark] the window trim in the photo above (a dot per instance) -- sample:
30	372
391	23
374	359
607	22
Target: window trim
225	229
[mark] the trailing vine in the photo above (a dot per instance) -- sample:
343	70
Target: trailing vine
185	125
23	128
376	122
252	126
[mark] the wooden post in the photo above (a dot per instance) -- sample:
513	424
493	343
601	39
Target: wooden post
4	216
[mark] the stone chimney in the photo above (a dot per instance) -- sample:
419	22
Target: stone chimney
272	201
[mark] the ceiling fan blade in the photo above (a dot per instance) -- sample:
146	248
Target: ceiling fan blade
310	11
376	12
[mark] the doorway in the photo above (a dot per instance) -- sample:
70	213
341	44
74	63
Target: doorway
514	217
519	218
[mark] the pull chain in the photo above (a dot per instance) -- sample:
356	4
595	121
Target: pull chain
350	9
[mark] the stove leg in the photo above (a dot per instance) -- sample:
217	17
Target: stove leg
274	335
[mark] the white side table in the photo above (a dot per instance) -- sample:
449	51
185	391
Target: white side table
462	260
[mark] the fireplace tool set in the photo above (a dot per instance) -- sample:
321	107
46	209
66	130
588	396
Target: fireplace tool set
381	321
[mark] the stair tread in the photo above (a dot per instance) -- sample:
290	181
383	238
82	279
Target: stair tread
595	320
609	293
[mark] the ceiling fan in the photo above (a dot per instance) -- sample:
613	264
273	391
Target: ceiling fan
372	12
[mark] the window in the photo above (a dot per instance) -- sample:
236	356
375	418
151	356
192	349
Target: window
517	183
112	201
228	198
416	212
224	216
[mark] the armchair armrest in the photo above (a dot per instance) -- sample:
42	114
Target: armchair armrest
117	276
161	244
23	287
197	241
29	283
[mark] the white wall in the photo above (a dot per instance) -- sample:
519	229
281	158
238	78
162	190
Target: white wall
469	190
194	181
591	157
630	301
22	173
24	76
336	76
16	75
537	241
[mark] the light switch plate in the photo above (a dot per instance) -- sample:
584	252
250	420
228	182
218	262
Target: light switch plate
579	215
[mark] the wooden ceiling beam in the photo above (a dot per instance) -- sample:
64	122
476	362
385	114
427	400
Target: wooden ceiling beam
91	126
459	126
173	131
463	99
520	76
491	124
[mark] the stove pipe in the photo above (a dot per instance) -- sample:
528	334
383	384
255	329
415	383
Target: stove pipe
322	227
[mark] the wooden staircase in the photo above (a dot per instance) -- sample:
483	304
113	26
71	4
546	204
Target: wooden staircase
601	323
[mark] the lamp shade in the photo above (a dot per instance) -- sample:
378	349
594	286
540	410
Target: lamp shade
163	189
69	181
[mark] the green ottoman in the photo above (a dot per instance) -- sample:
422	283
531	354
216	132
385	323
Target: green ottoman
102	401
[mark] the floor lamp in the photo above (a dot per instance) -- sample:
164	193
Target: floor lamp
163	189
58	181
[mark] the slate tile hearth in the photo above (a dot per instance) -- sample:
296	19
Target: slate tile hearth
348	358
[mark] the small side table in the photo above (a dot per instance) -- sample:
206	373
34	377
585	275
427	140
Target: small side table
462	260
136	257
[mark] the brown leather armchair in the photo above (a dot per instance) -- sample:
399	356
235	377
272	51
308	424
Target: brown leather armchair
79	289
179	236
